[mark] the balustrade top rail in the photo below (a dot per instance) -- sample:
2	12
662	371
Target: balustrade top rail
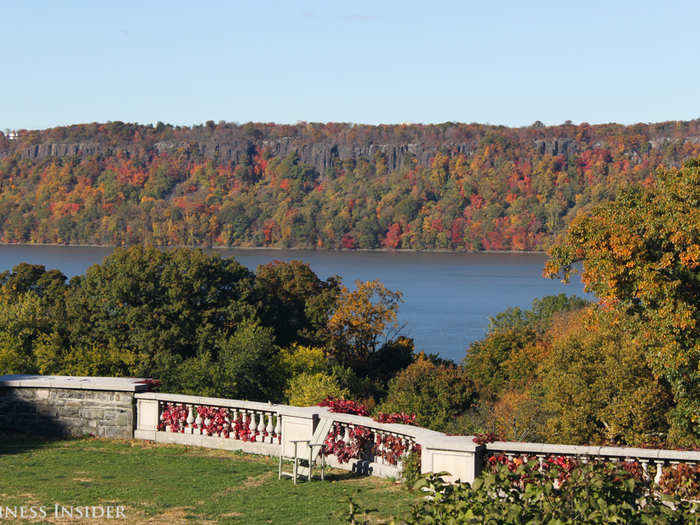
548	449
230	403
417	433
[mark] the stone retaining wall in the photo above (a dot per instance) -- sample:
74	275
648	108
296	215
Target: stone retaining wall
68	406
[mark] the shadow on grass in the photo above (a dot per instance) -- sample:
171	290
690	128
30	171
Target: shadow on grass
342	476
17	443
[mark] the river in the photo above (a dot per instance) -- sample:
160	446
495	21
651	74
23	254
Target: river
448	297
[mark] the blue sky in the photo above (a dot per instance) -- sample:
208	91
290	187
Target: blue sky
507	63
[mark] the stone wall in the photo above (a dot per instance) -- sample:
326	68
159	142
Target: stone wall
68	406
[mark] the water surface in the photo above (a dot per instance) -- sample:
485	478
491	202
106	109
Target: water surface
448	297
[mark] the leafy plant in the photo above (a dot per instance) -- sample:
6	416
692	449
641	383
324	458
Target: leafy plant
412	467
553	493
681	480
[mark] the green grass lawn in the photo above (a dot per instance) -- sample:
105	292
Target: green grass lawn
178	484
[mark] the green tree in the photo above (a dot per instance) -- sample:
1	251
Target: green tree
307	389
641	256
436	393
295	301
595	387
361	318
159	307
244	362
27	337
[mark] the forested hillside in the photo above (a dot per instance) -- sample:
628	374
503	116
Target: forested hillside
448	186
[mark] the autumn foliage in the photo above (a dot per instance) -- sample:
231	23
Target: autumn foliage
467	187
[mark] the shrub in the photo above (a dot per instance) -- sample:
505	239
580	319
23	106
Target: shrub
681	480
435	392
410	471
558	492
307	390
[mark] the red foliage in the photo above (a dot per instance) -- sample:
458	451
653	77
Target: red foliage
393	236
682	480
482	439
348	242
213	422
342	406
458	231
398	417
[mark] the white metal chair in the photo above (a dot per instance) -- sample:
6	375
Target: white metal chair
303	451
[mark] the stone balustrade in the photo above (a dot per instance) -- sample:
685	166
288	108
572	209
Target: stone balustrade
209	422
652	461
124	407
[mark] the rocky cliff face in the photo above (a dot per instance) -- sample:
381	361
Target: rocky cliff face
321	155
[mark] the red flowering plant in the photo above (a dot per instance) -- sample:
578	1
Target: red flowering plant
556	469
215	421
358	446
362	442
392	448
242	428
396	417
682	481
153	383
343	406
210	421
173	417
489	437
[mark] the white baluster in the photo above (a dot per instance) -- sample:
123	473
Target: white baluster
540	460
659	471
252	426
198	421
227	424
269	428
233	423
278	427
189	420
261	426
645	467
380	448
346	436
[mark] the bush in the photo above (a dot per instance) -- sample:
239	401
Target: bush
559	492
437	393
307	390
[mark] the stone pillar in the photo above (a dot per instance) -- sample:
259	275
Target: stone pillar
458	455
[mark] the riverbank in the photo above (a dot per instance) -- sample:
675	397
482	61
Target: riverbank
277	248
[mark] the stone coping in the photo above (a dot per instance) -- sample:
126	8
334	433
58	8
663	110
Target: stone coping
285	410
119	384
574	450
420	434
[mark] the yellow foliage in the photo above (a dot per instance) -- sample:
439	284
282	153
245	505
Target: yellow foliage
298	359
361	317
308	389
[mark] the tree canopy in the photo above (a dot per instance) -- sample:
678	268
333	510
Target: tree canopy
641	257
